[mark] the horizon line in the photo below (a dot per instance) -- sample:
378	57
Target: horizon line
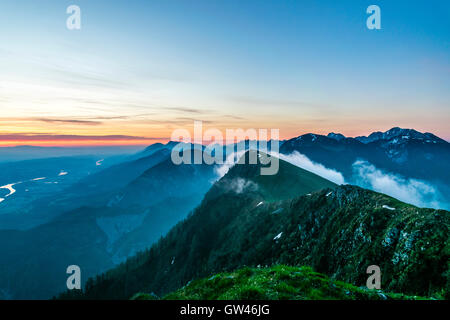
132	141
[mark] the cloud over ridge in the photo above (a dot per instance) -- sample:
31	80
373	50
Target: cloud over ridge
302	161
417	192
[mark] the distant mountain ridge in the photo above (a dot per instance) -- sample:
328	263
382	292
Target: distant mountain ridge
20	153
397	132
403	152
392	133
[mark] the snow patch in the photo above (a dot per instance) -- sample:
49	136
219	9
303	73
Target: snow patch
278	236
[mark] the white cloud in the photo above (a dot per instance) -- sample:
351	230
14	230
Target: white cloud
413	191
230	161
294	158
302	161
416	192
240	185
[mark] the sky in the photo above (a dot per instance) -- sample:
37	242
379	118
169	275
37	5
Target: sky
138	70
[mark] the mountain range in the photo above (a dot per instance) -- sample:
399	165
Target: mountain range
244	221
405	153
156	225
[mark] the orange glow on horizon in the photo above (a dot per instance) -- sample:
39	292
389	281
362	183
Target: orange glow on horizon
288	132
78	143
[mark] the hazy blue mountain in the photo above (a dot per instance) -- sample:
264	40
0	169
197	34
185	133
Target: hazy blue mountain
96	237
151	149
87	181
20	153
115	177
24	182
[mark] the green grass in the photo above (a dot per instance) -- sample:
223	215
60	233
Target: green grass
290	182
275	283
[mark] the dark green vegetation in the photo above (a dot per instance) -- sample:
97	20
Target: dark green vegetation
337	231
275	283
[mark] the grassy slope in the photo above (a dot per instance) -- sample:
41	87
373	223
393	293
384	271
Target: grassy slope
289	182
275	283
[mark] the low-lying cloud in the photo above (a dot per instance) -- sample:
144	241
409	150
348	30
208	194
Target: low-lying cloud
295	158
413	191
240	185
302	161
231	160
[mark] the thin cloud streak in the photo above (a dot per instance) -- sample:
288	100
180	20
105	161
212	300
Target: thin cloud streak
82	122
52	137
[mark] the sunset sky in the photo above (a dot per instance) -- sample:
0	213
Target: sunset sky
137	70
